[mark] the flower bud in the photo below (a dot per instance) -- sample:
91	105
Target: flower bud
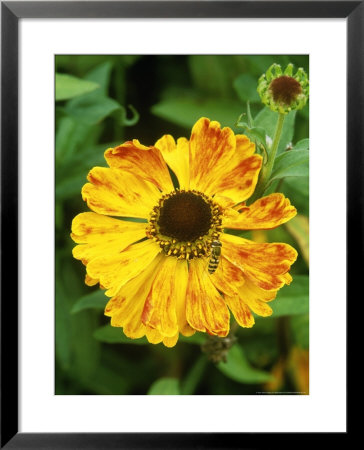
283	91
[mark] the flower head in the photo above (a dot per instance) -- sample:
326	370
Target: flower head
282	91
165	275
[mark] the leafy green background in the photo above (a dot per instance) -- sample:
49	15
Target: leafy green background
103	100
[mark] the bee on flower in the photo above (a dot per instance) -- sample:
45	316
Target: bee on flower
180	270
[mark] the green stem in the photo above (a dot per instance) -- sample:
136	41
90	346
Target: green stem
277	138
267	169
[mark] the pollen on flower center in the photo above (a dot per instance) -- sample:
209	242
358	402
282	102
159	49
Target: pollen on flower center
185	216
285	89
185	223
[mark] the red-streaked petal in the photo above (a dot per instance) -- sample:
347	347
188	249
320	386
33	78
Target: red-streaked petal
100	235
227	278
211	149
264	264
126	307
264	214
206	309
115	270
238	183
118	193
147	162
240	311
160	307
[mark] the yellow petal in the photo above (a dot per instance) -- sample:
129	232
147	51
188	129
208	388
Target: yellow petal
160	306
287	278
211	150
126	307
165	307
256	298
177	157
205	308
241	294
225	202
222	163
252	292
244	146
181	279
241	174
170	341
227	278
264	264
240	311
117	193
153	336
250	298
146	162
134	328
264	214
114	271
238	181
90	281
259	307
101	235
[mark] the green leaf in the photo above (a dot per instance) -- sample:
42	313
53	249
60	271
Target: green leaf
69	187
73	138
249	114
215	74
165	386
238	368
293	163
292	299
96	106
297	190
72	176
300	331
302	145
63	335
86	350
101	76
246	87
83	352
186	111
115	335
255	133
267	119
68	86
91	109
193	378
95	300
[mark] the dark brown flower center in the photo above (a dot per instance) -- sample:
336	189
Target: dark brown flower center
185	223
285	89
185	216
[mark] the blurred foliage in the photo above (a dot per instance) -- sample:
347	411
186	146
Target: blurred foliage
103	100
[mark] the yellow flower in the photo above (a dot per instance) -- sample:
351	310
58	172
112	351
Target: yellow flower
156	272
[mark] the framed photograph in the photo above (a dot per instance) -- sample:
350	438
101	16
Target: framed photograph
181	191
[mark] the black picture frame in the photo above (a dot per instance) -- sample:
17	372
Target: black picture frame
11	12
